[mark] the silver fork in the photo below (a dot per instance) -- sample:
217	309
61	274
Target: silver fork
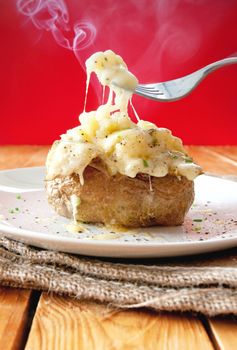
178	88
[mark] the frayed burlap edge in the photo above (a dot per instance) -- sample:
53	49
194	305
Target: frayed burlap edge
209	290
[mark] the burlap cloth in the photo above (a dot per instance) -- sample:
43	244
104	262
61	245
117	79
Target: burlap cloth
195	284
205	284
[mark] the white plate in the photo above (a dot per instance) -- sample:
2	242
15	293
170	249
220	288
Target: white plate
210	225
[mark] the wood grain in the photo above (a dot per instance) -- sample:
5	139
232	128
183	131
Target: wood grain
62	323
224	332
22	156
213	161
14	308
230	152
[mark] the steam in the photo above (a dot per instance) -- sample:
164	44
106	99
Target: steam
52	16
158	39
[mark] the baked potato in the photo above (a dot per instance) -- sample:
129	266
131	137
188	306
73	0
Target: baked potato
121	200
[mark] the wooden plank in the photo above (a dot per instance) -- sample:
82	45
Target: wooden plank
15	303
14	309
22	156
63	323
227	151
212	161
224	332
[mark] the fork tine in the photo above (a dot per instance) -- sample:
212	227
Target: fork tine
147	88
152	96
147	91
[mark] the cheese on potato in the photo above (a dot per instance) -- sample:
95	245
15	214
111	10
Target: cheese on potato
109	134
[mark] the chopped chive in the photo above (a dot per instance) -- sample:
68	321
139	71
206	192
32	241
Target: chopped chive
197	220
18	196
11	211
174	156
145	163
188	160
17	209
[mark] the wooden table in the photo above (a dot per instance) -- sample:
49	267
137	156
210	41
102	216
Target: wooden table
32	320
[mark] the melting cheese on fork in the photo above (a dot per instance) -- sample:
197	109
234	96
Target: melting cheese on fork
109	134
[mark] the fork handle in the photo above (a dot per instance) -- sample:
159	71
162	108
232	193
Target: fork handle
218	64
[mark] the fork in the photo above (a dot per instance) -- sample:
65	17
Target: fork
178	88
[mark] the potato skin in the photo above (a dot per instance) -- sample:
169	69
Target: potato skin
120	200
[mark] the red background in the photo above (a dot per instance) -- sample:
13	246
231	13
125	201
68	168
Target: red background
42	84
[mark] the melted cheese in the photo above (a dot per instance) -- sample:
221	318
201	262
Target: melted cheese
109	134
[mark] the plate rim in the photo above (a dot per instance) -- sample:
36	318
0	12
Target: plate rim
50	237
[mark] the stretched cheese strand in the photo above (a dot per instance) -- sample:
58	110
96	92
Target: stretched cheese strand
86	92
134	111
110	135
